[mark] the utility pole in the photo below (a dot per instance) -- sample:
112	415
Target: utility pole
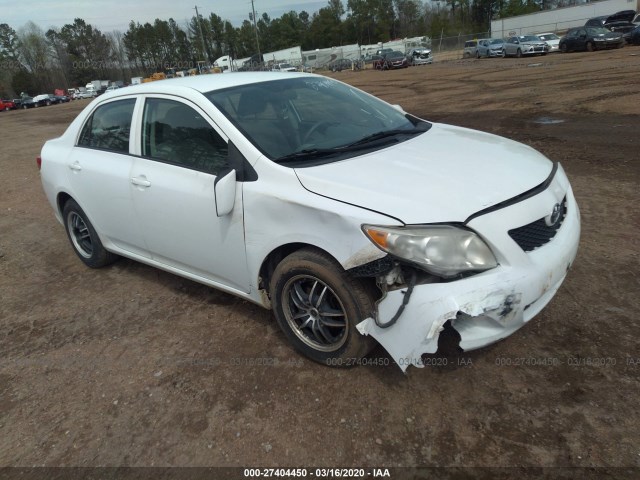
255	25
204	49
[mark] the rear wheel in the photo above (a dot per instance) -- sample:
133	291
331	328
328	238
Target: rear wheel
318	305
503	54
477	54
84	238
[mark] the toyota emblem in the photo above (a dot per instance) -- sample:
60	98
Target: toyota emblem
552	219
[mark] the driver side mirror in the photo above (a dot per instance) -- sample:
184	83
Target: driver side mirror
399	108
225	192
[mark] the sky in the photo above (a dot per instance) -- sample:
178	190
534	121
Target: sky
109	15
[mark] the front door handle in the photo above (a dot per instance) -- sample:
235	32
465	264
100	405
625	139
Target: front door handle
140	182
75	166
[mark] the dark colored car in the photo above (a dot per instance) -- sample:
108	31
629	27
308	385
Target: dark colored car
27	102
7	105
618	22
341	64
633	36
590	39
61	98
391	60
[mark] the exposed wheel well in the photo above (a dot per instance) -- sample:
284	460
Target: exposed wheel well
63	197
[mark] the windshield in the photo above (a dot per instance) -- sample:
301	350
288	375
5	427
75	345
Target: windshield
497	41
549	36
593	31
529	38
312	115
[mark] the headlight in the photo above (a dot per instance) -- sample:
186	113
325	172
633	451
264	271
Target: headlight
443	250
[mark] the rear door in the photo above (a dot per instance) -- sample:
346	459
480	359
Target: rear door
181	153
99	169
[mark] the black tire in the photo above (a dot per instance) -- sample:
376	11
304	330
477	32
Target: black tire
519	53
590	47
477	53
563	48
83	237
309	290
503	54
48	104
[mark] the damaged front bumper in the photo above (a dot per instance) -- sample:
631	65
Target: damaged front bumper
489	306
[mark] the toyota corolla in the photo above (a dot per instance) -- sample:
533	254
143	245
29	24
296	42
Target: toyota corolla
352	219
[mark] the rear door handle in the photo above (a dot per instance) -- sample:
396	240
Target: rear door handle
75	166
141	182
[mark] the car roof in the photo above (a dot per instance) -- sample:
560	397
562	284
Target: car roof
208	82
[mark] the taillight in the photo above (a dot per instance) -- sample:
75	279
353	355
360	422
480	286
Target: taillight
39	162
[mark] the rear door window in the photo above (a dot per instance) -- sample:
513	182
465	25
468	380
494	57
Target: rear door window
109	127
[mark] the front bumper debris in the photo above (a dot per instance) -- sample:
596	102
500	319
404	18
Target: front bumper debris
489	306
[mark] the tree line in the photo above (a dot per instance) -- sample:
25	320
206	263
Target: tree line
33	60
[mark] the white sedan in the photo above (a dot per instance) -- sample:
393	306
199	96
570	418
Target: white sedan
350	218
550	39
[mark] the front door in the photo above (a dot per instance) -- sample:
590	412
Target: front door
173	194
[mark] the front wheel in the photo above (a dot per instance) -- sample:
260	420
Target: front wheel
84	238
563	48
590	47
318	305
519	53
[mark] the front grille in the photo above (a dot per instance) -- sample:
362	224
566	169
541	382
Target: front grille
538	233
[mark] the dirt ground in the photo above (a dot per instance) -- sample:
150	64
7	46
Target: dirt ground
131	366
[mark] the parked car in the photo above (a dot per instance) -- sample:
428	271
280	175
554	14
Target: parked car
310	197
29	102
88	94
61	98
6	105
283	67
43	99
340	64
490	47
621	22
525	45
111	88
391	60
590	39
470	49
633	36
419	56
550	39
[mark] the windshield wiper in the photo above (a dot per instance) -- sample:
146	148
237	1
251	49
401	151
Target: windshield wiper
384	134
309	153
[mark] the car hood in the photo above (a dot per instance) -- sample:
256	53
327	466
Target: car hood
533	42
443	175
613	35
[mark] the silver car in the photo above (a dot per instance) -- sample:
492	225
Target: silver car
419	56
525	45
490	47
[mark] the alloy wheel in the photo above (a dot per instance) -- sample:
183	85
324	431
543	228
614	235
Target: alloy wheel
315	313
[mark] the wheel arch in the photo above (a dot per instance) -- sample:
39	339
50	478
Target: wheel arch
273	258
61	199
